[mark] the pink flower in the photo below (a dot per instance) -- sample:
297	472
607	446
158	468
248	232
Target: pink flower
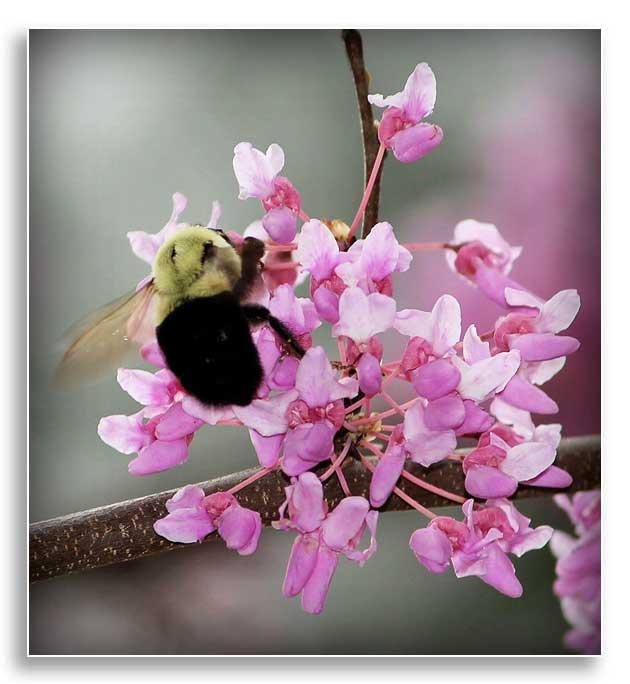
484	258
479	545
535	335
388	469
578	583
307	417
372	261
362	316
401	129
426	444
322	538
192	516
161	432
145	245
496	466
257	176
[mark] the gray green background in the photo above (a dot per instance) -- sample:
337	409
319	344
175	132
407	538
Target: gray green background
119	120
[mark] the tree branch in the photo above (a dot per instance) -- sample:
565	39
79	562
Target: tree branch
124	531
354	50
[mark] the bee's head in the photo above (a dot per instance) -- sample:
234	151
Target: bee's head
192	253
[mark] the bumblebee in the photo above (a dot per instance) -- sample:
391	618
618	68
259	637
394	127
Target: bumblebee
197	306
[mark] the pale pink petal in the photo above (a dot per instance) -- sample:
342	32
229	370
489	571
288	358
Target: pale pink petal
159	456
316	380
240	528
361	556
144	245
446	324
432	548
558	313
190	496
470	230
527	460
185	525
418	96
256	230
474	349
301	564
267	416
520	420
152	354
550	434
255	171
267	448
146	388
361	316
482	378
541	372
298	314
176	423
519	297
534	539
317	250
124	433
381	254
317	586
426	446
414	323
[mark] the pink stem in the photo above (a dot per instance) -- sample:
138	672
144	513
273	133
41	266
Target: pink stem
304	216
356	405
368	191
247	481
385	414
276	247
281	266
394	404
335	467
342	351
230	421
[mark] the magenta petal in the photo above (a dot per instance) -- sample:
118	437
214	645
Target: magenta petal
267	448
522	394
152	354
306	502
493	283
445	413
500	574
412	143
124	433
386	475
543	346
185	525
240	528
434	380
327	304
553	477
432	548
370	375
301	564
281	224
189	496
316	588
307	446
159	456
176	423
476	420
345	522
484	482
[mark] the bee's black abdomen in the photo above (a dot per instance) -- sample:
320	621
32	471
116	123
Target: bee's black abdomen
208	345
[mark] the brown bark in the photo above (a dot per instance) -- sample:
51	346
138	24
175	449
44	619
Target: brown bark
124	531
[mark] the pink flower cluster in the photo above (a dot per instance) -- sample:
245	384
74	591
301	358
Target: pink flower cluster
578	583
312	416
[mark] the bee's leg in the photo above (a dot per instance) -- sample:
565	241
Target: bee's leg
252	252
256	314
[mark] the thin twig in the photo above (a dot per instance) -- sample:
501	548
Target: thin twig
354	50
124	531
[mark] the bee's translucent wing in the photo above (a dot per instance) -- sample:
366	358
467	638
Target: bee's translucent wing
101	340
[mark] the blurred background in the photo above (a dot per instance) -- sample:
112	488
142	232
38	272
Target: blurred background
119	120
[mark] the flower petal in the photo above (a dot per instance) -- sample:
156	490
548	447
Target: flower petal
484	482
281	224
411	144
527	460
436	379
317	250
316	380
176	423
146	388
307	446
318	584
267	416
543	346
432	548
255	171
267	448
480	379
124	433
190	496
344	522
301	564
520	393
370	374
386	475
159	456
240	528
185	525
558	313
361	316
